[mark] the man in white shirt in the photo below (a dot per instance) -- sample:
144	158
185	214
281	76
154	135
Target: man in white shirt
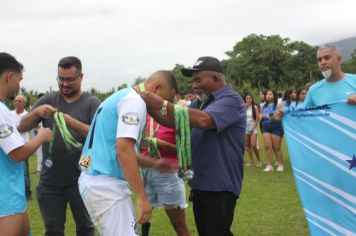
19	112
13	150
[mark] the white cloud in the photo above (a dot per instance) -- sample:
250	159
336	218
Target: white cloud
118	41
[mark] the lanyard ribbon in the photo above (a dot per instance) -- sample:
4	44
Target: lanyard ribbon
68	139
181	116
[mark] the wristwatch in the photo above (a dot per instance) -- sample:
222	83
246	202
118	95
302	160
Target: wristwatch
163	110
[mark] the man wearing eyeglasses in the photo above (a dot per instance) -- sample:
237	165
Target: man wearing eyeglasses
58	182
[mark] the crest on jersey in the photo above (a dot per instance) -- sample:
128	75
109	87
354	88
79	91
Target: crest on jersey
6	130
130	118
84	162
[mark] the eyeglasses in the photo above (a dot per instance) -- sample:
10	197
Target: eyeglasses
68	80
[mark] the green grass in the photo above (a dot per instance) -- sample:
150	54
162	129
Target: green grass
268	205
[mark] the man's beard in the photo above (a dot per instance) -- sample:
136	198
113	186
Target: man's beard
203	97
327	73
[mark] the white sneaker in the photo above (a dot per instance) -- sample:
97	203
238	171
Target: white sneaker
259	164
280	168
268	168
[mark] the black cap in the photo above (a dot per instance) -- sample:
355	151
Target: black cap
204	63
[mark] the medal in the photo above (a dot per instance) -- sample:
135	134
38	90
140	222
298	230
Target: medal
181	116
189	174
48	163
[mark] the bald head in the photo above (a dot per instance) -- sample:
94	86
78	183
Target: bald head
162	83
20	103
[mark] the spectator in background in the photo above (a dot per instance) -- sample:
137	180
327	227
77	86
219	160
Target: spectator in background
263	93
19	112
252	121
280	97
301	93
289	99
308	85
272	131
39	153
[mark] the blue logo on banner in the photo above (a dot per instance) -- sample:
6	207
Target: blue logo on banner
322	148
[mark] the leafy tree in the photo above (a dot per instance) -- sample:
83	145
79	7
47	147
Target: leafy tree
122	86
260	61
184	83
350	65
301	66
257	59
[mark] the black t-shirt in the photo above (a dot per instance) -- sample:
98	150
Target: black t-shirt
64	170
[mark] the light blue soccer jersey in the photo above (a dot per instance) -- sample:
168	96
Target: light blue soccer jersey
12	186
122	115
324	92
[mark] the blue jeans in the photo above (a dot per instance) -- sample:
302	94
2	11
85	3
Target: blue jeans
165	189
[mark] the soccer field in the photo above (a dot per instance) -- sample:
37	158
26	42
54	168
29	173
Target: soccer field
268	205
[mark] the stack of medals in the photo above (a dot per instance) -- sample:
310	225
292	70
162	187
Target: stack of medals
181	116
69	141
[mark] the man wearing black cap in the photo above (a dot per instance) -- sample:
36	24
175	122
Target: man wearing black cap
217	134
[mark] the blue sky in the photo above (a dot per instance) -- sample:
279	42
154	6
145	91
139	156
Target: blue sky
118	41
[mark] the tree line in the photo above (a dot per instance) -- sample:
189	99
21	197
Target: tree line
255	62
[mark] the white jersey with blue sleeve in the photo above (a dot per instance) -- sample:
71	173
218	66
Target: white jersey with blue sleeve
12	186
122	115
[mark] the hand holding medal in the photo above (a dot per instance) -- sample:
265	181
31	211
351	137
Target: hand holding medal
69	141
181	116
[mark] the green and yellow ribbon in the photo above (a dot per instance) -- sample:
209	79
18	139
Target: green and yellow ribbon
181	117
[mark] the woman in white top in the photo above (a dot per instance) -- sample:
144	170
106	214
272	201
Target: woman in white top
252	121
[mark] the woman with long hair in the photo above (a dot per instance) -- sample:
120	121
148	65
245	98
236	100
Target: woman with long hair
263	93
272	131
289	98
253	117
301	93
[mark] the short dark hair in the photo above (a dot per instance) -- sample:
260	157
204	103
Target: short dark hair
9	63
68	62
171	79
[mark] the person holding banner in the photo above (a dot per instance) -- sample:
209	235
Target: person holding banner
321	141
110	158
336	85
218	125
13	151
59	176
